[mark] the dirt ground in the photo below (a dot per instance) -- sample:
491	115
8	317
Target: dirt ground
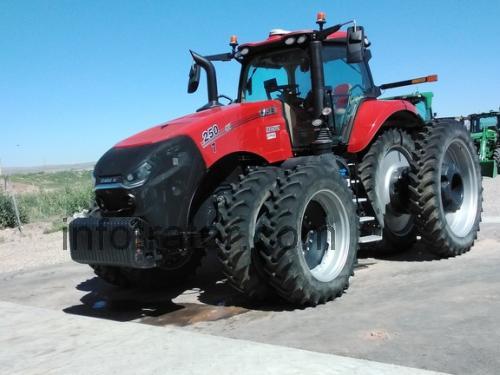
30	248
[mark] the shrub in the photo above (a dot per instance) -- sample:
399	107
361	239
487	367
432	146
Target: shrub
48	204
7	212
60	194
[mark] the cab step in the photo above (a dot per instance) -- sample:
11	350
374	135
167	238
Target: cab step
366	219
370	238
359	200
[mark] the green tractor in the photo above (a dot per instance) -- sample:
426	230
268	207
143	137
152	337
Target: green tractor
422	101
485	131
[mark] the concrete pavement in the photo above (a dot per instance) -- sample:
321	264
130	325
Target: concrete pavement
41	341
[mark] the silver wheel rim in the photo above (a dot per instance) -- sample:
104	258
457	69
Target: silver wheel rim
325	221
392	165
463	176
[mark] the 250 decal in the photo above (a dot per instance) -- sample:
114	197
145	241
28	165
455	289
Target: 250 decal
209	134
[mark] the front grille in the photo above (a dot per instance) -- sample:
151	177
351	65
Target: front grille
119	202
111	241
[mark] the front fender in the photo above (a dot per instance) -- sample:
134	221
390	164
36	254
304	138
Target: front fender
371	116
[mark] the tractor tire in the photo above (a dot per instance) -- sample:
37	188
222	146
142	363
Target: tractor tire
310	235
238	222
496	157
384	174
446	189
151	278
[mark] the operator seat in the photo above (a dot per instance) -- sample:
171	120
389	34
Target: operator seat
340	97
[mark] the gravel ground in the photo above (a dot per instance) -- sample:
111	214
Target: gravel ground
30	249
491	194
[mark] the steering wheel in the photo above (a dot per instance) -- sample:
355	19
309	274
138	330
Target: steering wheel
271	85
284	90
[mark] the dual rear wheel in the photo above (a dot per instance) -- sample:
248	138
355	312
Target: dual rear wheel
289	232
446	189
426	183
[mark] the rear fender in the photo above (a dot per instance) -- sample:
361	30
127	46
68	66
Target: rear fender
373	114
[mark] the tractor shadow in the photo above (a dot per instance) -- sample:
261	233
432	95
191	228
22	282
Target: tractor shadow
417	253
206	297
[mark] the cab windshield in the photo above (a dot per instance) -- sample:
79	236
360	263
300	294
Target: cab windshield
283	74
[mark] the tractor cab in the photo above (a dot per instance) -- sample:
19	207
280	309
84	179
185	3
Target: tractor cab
313	80
319	76
481	121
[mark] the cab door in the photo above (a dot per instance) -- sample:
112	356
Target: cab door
346	85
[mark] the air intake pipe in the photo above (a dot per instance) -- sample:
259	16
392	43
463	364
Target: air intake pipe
213	95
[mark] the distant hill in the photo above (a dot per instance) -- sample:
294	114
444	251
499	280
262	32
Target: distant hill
48	168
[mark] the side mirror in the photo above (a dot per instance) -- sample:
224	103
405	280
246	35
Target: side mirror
355	45
194	78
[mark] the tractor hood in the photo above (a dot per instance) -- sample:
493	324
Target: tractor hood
193	125
239	127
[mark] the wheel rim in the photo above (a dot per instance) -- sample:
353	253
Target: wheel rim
459	190
325	235
391	186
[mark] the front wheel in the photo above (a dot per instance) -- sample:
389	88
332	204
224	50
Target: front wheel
310	237
446	188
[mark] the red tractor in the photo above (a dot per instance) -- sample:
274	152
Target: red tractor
286	181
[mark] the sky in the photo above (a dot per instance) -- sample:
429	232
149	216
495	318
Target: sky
77	76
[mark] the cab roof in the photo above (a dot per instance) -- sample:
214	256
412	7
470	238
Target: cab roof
276	36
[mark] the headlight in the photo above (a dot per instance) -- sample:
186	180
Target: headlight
139	176
301	39
289	41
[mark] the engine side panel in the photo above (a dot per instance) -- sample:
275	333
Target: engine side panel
371	115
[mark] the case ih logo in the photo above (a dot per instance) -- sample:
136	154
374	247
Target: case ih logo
267	111
272	129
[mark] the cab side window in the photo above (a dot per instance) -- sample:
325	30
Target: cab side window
346	84
338	72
